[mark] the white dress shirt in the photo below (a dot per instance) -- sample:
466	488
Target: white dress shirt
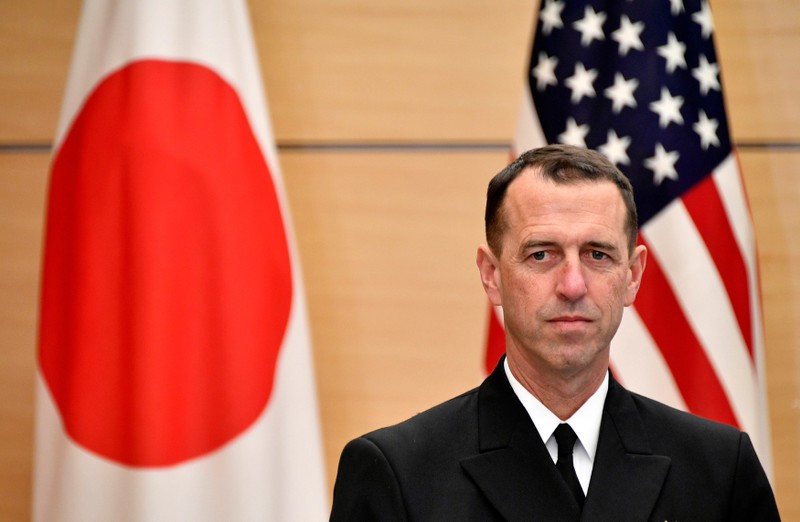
585	422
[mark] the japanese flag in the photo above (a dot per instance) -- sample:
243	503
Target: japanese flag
175	377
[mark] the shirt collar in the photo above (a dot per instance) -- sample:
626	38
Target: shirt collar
585	422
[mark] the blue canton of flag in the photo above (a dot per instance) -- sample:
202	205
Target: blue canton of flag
638	81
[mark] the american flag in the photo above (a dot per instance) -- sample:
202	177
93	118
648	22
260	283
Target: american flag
640	82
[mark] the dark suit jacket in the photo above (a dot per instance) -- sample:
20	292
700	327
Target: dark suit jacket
479	457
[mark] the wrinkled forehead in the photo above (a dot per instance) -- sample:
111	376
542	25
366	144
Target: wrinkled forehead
532	195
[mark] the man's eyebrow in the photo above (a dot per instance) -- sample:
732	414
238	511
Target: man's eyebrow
602	245
537	243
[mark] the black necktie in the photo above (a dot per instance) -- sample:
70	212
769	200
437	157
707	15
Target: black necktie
566	438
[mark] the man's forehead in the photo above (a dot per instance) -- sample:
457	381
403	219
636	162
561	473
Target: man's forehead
535	197
532	183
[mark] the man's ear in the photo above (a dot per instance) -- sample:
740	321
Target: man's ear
636	271
490	274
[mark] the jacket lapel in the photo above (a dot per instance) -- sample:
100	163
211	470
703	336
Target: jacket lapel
627	478
513	468
517	475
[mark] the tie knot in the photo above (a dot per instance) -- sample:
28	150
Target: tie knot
565	437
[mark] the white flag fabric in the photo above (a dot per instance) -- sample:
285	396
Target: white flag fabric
175	377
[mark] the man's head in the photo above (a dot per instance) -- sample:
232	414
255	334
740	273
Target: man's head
561	164
561	259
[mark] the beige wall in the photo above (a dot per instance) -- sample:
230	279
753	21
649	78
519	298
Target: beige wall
387	237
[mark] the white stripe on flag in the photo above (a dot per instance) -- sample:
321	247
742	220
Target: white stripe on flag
729	184
529	131
639	364
696	283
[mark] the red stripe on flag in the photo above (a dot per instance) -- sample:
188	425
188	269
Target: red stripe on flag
665	320
705	206
495	341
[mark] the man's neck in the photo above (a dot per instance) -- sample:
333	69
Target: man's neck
563	394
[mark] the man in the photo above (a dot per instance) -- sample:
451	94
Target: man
561	259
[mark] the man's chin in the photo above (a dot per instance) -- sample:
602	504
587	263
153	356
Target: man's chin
575	358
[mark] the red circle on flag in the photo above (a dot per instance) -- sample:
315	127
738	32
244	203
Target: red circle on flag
166	288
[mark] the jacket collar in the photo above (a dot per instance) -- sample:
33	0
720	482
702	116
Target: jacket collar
515	472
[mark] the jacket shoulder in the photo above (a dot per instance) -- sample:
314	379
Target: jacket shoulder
661	418
429	427
410	470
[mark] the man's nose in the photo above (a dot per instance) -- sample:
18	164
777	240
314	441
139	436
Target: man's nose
571	284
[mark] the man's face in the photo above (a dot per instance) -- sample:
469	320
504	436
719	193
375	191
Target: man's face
564	274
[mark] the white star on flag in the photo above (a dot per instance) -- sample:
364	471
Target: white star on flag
616	148
703	17
551	16
674	51
676	7
574	134
662	164
707	129
621	93
581	83
545	71
628	35
707	74
668	108
591	26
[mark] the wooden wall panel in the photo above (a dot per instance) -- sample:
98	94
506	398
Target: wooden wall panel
35	47
756	43
405	70
353	70
773	185
22	182
395	69
397	311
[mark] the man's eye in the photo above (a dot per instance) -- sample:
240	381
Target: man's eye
598	256
539	256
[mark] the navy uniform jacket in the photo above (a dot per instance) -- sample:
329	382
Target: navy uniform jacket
479	457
